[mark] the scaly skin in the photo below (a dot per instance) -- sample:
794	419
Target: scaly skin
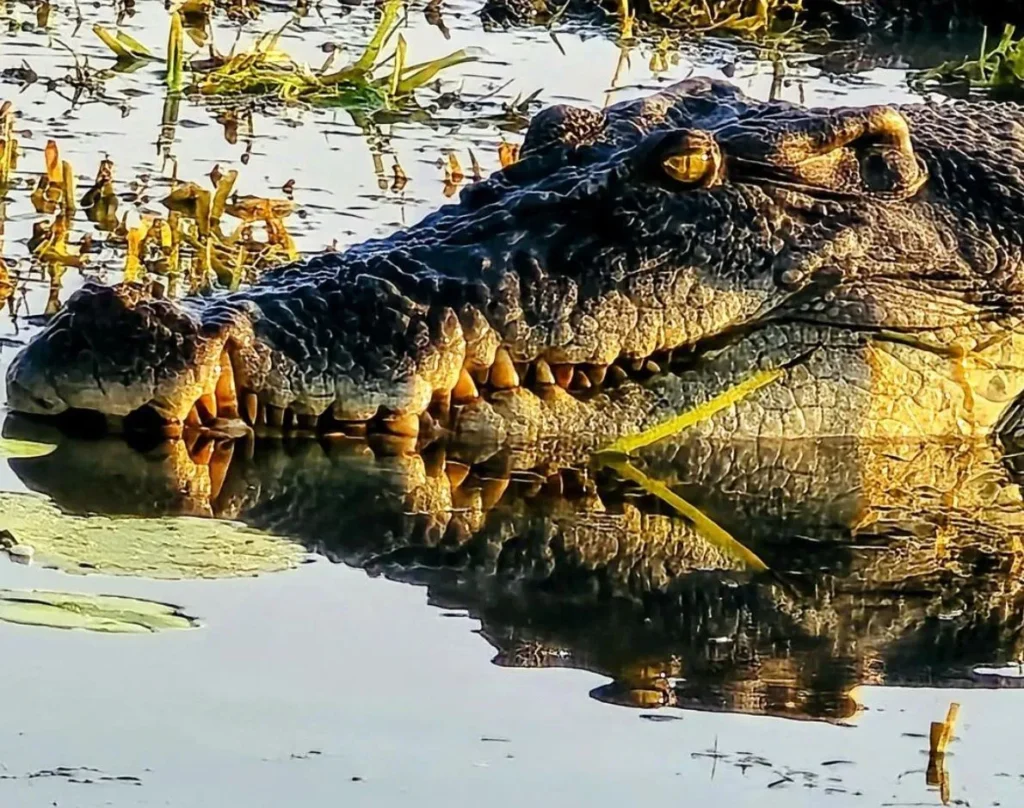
871	257
891	562
839	17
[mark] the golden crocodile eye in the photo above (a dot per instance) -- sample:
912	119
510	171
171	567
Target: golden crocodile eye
692	166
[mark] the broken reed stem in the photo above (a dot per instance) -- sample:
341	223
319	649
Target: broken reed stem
942	731
68	187
8	144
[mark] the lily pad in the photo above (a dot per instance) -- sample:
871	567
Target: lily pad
105	613
164	548
23	448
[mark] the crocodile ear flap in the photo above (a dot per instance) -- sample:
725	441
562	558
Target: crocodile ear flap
686	158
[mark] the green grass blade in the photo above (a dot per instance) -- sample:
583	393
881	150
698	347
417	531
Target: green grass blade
133	45
119	48
396	71
431	69
384	32
175	53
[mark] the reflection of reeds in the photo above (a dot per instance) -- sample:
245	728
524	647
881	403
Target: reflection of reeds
8	144
8	150
999	71
939	736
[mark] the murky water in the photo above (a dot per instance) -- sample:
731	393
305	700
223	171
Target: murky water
404	673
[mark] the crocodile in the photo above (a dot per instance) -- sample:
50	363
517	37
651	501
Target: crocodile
867	581
841	18
771	270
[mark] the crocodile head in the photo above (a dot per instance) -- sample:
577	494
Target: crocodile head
621	241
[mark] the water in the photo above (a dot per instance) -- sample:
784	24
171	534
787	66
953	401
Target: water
341	682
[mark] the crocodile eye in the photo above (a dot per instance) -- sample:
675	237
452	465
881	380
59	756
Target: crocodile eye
690	167
694	159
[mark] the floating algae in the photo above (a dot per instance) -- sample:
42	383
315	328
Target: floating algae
106	613
166	548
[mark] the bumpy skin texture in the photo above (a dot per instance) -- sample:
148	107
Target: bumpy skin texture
891	562
845	246
840	17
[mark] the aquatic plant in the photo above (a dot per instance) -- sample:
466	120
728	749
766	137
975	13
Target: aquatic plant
264	70
734	16
108	614
999	71
167	548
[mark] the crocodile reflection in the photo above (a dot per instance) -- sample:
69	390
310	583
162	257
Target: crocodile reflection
893	564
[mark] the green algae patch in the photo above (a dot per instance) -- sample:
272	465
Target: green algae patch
23	448
163	548
104	613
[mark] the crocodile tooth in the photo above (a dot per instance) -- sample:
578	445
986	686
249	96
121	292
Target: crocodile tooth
652	367
190	439
219	465
481	375
202	451
464	390
457	473
407	426
227	397
597	374
274	416
563	375
616	374
193	419
544	374
581	381
491	491
503	372
250	407
206	404
636	364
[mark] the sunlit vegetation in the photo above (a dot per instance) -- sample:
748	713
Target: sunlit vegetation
266	70
197	235
997	71
755	18
189	245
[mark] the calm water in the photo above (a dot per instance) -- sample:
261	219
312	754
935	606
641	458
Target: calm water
399	666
